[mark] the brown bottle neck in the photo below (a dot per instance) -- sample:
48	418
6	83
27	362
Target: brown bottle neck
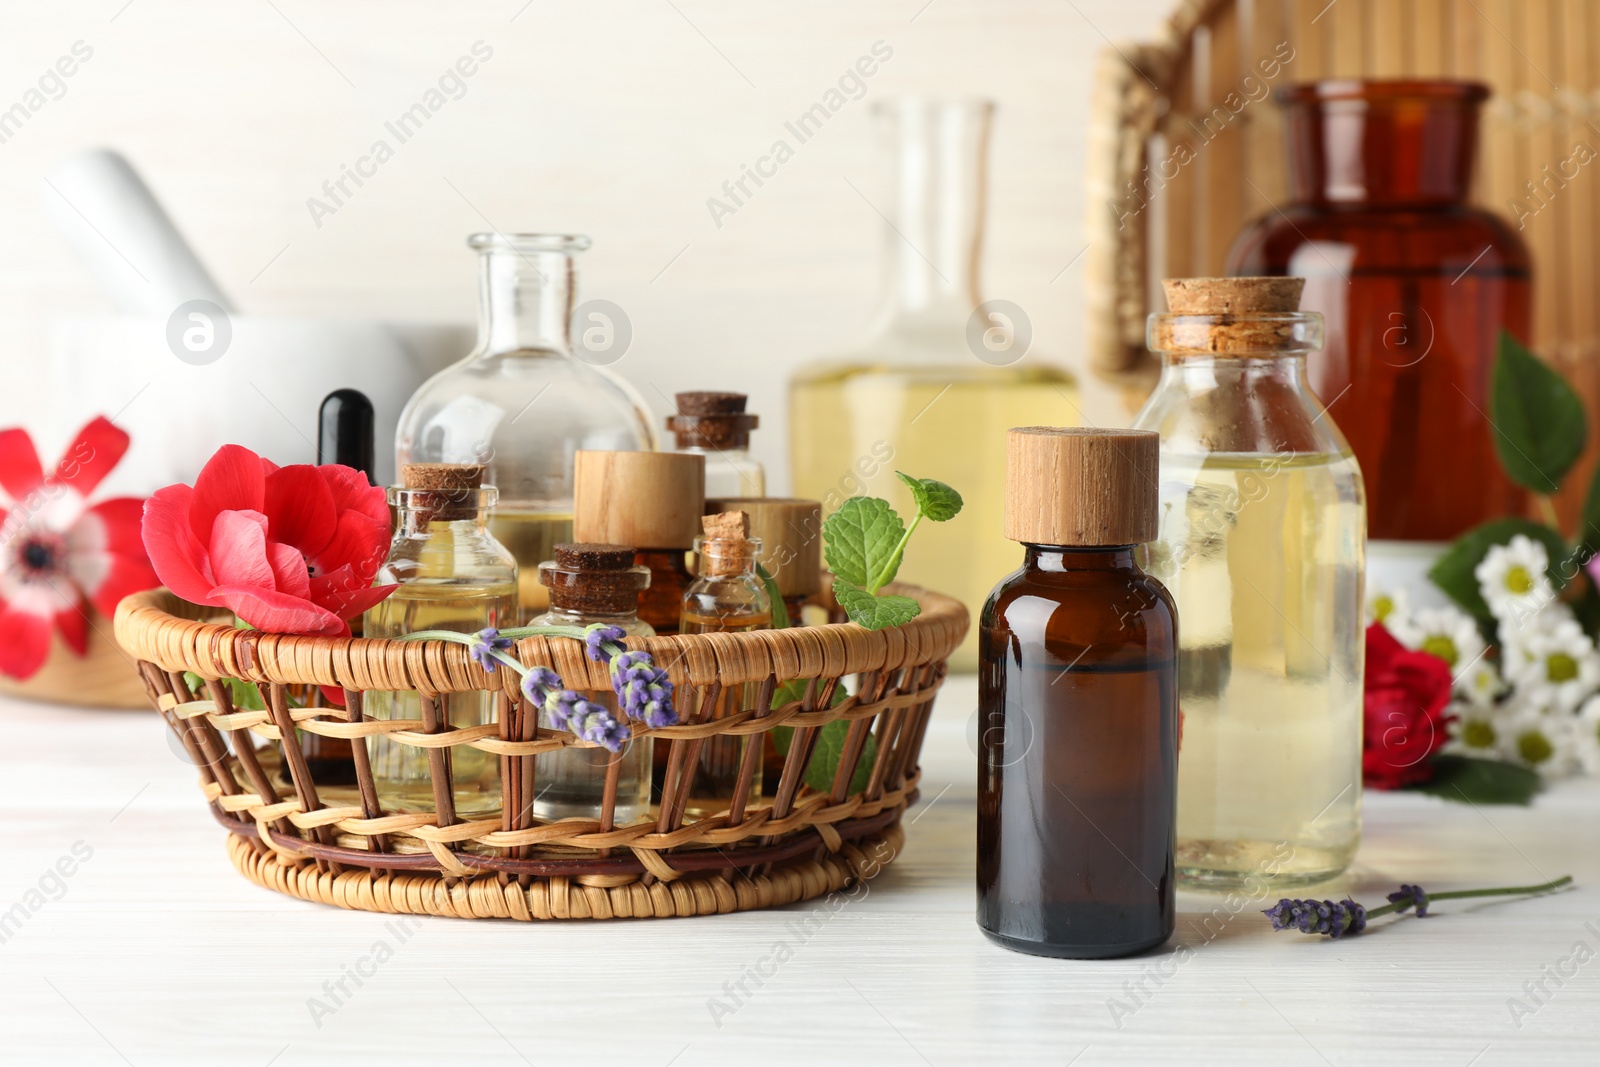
1059	559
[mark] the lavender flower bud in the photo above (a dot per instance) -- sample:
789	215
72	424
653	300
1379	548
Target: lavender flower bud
539	681
596	636
1408	896
489	640
1318	916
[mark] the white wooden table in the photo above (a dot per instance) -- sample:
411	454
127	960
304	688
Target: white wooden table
153	951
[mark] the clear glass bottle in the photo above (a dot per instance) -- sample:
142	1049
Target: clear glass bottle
727	597
522	402
1077	764
453	575
914	394
588	584
1262	543
715	425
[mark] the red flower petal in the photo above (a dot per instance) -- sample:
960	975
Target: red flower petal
178	558
74	627
98	448
352	492
116	523
233	479
359	542
239	550
300	508
275	612
289	570
346	595
24	641
20	473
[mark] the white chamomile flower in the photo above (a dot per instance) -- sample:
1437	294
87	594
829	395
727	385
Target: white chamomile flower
1587	727
1474	731
1513	579
1387	606
1480	683
1448	633
1540	740
1552	662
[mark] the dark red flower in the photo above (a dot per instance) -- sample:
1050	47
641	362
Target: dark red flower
56	550
1406	696
288	549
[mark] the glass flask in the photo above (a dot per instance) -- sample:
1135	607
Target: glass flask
915	394
1262	545
1415	284
588	584
727	597
522	403
452	575
716	426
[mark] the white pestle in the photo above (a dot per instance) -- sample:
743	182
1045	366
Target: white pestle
121	233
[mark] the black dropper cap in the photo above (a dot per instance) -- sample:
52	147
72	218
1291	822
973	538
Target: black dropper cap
345	431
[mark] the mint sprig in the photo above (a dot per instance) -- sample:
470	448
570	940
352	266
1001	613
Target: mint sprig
864	542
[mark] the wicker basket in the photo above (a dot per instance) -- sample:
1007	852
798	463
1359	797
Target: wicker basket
1536	55
339	847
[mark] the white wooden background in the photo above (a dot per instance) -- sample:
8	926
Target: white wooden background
157	953
616	118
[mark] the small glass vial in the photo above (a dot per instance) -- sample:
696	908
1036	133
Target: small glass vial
728	597
593	583
653	501
452	575
715	425
1262	542
789	531
1078	750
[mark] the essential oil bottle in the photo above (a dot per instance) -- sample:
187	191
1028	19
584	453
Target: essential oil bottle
790	532
1078	756
715	425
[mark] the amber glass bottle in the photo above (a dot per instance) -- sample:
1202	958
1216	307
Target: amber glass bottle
1415	283
1078	756
653	501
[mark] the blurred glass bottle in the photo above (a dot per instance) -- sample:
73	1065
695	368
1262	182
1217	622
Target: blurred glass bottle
937	381
715	425
522	403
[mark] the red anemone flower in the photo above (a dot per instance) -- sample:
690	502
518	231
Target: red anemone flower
56	551
288	549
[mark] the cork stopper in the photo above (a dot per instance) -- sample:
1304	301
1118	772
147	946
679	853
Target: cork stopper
708	419
594	579
790	532
447	491
1081	486
1234	316
727	547
651	500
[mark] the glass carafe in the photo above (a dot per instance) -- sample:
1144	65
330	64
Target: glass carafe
1415	284
1262	546
522	402
914	394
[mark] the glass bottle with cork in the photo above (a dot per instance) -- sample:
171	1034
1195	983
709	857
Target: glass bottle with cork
715	425
727	597
523	401
1262	543
652	501
588	584
452	575
789	531
1077	764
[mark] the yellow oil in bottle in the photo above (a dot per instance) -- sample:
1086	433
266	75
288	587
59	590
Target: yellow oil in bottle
531	537
720	757
401	772
1264	555
853	425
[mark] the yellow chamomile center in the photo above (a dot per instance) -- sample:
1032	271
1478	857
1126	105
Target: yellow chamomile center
1442	646
1560	667
1534	747
1478	734
1518	580
1382	607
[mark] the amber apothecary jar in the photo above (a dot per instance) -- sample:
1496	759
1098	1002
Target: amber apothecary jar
1415	284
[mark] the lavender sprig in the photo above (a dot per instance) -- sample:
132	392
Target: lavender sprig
643	690
1348	917
489	642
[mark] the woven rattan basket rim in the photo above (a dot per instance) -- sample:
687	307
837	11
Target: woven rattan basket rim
157	627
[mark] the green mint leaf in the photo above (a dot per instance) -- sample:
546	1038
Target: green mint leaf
246	697
1453	572
860	539
1589	528
824	762
780	610
935	499
874	612
1467	779
1538	420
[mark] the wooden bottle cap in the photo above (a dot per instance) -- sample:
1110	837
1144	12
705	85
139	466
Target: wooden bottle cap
1081	486
593	557
594	579
451	488
727	547
790	531
650	500
1230	316
712	420
706	402
1233	296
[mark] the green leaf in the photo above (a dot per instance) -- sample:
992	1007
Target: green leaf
824	763
1453	573
1468	779
1589	521
245	696
860	538
934	499
874	612
780	610
1538	420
